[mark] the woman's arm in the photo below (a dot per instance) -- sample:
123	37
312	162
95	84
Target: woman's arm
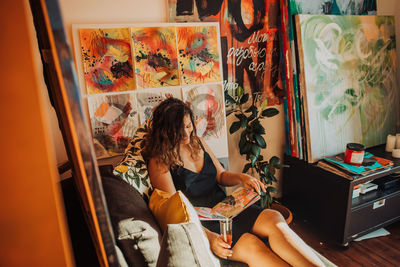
227	178
160	176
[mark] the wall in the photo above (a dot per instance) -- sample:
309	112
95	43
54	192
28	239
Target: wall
123	11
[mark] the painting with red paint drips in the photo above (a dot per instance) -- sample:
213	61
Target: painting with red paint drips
207	103
198	55
107	60
114	121
155	57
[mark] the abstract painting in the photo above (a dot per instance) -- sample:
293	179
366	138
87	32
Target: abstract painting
114	121
148	99
198	54
156	63
207	103
289	8
348	80
249	42
107	60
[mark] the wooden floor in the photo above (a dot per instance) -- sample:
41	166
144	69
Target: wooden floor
379	251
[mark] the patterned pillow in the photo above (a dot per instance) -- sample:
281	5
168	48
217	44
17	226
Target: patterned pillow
133	168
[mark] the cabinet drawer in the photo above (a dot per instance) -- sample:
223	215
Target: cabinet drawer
376	213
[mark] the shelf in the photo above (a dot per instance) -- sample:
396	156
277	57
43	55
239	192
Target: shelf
373	196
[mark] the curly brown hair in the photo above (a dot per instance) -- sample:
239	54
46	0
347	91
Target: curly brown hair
167	131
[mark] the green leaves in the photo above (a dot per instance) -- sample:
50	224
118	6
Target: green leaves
271	189
234	127
260	141
244	99
229	98
252	140
275	161
254	112
257	127
270	112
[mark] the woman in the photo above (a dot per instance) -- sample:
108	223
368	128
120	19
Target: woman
179	160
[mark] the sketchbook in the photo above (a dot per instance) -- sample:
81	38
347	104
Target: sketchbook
231	206
377	164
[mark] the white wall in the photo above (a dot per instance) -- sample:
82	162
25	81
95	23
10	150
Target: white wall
131	11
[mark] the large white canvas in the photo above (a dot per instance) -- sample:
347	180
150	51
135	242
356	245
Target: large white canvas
147	100
207	103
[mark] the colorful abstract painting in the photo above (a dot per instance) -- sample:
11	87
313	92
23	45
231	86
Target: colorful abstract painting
207	103
249	42
147	100
198	55
114	121
348	79
107	60
156	62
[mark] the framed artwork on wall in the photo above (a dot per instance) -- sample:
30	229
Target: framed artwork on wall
107	60
207	103
114	120
155	57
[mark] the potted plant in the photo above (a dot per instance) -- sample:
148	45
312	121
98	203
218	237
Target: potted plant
252	142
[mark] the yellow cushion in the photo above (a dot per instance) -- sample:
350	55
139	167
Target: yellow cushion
170	208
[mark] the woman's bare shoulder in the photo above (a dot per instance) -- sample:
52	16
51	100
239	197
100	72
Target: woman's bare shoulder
156	163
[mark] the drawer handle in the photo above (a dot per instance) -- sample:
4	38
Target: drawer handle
379	204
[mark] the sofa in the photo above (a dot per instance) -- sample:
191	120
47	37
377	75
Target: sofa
151	235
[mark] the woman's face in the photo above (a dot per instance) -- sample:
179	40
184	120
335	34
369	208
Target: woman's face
188	129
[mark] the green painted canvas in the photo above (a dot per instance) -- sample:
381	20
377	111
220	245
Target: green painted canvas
348	81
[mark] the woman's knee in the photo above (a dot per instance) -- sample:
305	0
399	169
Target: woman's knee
271	216
253	251
268	222
248	246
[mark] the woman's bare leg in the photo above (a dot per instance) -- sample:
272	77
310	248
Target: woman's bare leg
283	240
252	251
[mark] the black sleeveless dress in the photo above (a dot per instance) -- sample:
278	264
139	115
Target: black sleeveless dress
203	190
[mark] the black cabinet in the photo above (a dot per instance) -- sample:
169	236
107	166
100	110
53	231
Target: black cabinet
326	199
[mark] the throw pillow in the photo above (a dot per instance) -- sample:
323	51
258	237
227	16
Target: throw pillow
185	245
170	208
133	168
136	231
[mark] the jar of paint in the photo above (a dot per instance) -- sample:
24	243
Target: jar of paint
354	154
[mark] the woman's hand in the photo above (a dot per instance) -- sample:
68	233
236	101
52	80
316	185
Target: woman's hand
218	246
252	183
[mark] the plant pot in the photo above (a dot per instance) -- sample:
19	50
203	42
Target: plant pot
286	213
